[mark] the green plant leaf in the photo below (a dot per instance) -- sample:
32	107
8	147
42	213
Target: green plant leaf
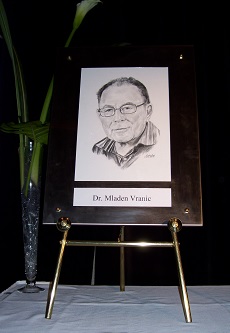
33	130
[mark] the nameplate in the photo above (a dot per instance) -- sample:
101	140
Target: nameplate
122	197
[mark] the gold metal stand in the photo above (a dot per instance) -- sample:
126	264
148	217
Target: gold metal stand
174	226
122	259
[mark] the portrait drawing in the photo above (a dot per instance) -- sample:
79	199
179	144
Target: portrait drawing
123	125
124	111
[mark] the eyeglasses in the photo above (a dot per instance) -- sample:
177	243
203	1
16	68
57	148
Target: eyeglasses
124	109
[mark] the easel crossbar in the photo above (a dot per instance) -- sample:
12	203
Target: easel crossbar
117	244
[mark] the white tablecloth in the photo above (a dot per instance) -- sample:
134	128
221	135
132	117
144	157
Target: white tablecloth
105	309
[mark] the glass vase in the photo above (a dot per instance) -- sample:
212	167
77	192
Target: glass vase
30	205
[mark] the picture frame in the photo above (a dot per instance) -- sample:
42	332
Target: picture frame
91	189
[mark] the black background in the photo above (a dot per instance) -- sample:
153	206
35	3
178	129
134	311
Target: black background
37	31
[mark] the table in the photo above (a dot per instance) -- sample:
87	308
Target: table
105	309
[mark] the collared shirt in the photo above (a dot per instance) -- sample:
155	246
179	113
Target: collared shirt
145	143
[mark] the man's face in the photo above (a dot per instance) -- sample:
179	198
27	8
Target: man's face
124	127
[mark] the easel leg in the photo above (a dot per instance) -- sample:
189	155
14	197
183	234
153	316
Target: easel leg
53	285
175	226
122	260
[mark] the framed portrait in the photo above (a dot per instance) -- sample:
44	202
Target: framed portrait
124	143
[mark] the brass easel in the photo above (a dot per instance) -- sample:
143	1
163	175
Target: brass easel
174	226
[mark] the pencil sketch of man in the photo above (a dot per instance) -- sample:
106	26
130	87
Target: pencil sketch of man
124	110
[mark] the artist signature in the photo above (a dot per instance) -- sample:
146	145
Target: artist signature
149	156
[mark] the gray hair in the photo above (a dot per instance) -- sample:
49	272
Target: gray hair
125	80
